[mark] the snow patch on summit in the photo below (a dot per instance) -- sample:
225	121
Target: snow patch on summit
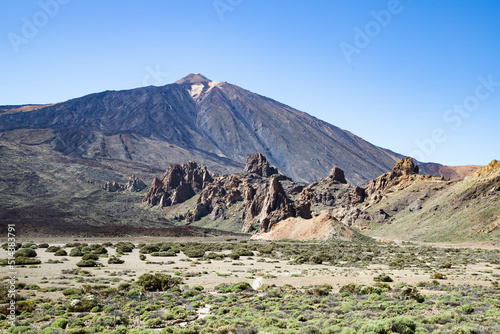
197	88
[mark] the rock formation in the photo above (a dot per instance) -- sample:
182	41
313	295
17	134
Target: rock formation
257	194
178	184
269	207
402	174
328	190
257	164
337	175
134	184
113	186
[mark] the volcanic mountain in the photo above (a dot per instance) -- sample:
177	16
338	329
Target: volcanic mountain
214	123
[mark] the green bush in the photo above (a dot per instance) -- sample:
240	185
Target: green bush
234	288
90	256
411	292
468	309
71	291
52	249
84	304
100	250
158	282
124	247
217	256
194	253
320	290
360	289
53	330
437	275
43	245
167	253
21	329
61	252
242	252
16	246
76	252
464	329
115	260
27	261
87	263
25	252
61	322
148	249
383	278
395	325
315	259
25	306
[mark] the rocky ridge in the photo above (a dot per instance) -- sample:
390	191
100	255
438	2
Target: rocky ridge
263	201
257	194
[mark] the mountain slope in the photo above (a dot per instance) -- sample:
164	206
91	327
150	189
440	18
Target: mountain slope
433	209
214	123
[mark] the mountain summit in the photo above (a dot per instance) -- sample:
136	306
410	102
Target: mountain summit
193	78
215	123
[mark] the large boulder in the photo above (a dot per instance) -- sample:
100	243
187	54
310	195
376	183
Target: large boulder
135	184
337	175
113	186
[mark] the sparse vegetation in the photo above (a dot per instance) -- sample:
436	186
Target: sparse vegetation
372	300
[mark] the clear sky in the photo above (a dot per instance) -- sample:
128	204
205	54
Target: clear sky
421	78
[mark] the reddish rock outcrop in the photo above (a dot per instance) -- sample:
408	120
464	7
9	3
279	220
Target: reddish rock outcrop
269	205
401	174
328	191
256	198
337	175
178	184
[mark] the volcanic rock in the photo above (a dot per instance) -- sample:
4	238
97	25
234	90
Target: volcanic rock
401	175
135	184
178	184
113	187
337	175
328	191
257	164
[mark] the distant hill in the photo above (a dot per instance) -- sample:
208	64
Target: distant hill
452	172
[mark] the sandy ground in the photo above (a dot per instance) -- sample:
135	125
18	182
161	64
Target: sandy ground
247	269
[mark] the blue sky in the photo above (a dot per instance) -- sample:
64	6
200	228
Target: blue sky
418	77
